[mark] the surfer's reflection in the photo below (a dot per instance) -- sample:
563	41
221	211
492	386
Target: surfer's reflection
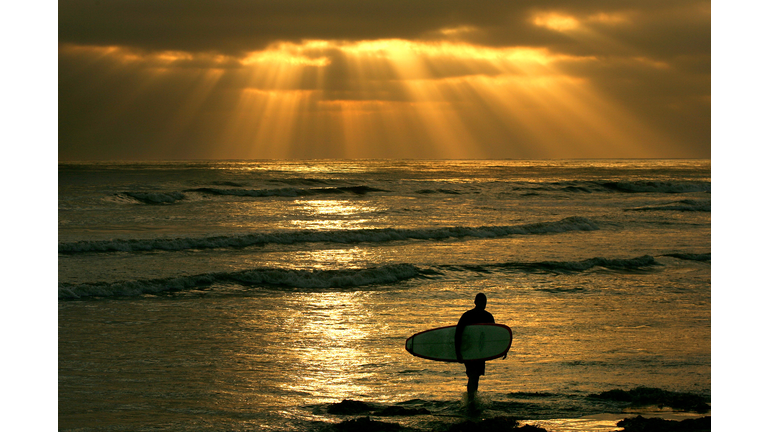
475	368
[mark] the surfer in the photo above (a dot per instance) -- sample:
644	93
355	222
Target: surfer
474	368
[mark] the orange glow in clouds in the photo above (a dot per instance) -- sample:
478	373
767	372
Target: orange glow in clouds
368	98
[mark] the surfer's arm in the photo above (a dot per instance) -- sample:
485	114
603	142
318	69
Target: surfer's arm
457	341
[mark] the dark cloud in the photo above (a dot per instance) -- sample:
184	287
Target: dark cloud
233	26
650	57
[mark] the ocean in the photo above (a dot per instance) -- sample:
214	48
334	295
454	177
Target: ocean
278	295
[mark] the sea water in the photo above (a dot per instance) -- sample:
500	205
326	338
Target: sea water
257	295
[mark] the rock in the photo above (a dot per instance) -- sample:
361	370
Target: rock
645	396
365	424
400	411
495	424
348	407
642	424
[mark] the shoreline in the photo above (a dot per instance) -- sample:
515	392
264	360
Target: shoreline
656	421
609	421
352	415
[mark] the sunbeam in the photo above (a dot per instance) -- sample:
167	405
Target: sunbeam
447	95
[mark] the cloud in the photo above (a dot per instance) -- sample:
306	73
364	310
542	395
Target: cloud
240	26
175	78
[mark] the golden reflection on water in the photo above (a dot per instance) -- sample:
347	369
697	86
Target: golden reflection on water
349	258
332	214
329	356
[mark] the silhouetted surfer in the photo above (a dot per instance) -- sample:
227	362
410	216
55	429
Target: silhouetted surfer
475	368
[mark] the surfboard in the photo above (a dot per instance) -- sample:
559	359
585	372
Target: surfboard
478	342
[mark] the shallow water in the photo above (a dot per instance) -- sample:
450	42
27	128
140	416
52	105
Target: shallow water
240	296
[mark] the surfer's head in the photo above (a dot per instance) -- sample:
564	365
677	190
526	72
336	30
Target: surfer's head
480	301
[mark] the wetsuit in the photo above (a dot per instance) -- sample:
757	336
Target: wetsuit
472	316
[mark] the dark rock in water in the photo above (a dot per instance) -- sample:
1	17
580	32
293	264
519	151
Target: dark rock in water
400	411
614	395
642	424
531	394
351	407
645	396
347	407
531	428
495	424
365	424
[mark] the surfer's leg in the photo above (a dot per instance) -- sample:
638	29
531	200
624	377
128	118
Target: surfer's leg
474	370
472	384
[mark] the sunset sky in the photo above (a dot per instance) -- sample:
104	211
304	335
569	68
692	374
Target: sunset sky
246	79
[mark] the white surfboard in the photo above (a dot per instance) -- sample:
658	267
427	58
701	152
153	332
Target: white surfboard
478	342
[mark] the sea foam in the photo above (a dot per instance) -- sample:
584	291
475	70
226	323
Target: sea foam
682	205
259	277
382	235
337	278
286	191
616	264
154	198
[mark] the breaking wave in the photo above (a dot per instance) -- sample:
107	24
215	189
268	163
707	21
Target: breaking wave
637	186
155	198
684	205
657	186
691	256
286	191
629	264
260	277
295	191
574	223
438	191
339	278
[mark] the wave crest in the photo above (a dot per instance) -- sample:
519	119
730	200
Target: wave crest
155	198
574	223
683	205
260	277
353	278
616	264
657	186
691	256
289	192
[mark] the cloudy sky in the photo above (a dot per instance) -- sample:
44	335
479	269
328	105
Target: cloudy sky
256	79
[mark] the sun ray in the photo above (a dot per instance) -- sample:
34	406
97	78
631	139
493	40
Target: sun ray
199	89
416	98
